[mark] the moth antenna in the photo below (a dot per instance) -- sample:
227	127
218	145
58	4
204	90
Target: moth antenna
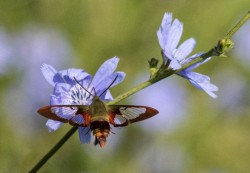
91	94
83	86
109	86
94	91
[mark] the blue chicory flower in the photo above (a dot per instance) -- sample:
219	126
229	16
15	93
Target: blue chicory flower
169	35
67	91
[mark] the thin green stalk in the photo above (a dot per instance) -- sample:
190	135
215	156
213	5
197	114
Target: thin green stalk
237	26
53	150
204	56
130	92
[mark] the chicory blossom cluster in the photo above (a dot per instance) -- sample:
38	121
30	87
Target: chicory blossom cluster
67	91
169	35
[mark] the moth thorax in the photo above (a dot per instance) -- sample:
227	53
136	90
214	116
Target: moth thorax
101	130
97	107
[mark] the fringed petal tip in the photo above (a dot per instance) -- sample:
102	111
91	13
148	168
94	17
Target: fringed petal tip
48	72
201	82
166	21
105	70
116	59
53	125
163	30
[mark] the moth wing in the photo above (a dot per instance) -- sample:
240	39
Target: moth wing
125	114
46	112
51	112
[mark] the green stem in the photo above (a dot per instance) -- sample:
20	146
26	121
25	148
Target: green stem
53	150
204	56
238	25
130	92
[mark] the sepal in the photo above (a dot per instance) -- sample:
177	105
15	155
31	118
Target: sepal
153	62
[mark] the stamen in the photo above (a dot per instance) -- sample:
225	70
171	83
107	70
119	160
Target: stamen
77	95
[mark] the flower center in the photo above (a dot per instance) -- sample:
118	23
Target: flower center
79	96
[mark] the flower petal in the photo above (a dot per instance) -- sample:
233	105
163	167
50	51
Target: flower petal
185	49
163	31
174	35
55	100
174	64
62	88
78	119
191	58
48	72
167	55
105	82
84	134
53	125
201	82
197	64
106	69
67	76
106	96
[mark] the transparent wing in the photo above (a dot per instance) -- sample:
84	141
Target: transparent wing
65	113
119	119
125	114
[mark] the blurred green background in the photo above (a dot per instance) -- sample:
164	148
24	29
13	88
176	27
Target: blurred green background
192	133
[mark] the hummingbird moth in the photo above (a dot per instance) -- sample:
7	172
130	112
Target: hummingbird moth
99	116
